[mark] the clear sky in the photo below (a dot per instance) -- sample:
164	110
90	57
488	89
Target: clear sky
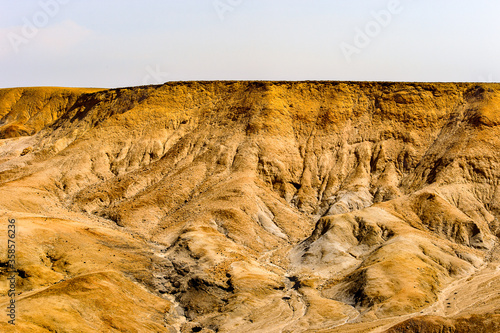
116	43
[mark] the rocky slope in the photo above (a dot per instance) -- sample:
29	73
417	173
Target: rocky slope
253	207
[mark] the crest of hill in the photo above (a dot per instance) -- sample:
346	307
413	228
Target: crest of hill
25	111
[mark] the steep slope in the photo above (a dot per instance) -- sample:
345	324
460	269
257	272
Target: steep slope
25	111
255	206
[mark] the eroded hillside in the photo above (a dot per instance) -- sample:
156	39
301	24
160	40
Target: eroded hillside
253	207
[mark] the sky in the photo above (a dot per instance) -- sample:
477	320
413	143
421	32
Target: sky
121	43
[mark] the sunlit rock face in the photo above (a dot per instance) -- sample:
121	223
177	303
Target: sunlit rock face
252	207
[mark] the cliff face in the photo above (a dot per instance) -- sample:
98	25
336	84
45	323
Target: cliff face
253	206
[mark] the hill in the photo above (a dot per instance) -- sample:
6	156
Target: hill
253	207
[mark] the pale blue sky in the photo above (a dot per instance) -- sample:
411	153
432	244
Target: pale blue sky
115	43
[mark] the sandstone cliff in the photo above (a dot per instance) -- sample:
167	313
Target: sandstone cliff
253	207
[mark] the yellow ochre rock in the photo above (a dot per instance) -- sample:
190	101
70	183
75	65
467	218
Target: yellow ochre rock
252	207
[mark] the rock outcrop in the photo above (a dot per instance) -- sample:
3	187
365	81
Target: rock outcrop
253	207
